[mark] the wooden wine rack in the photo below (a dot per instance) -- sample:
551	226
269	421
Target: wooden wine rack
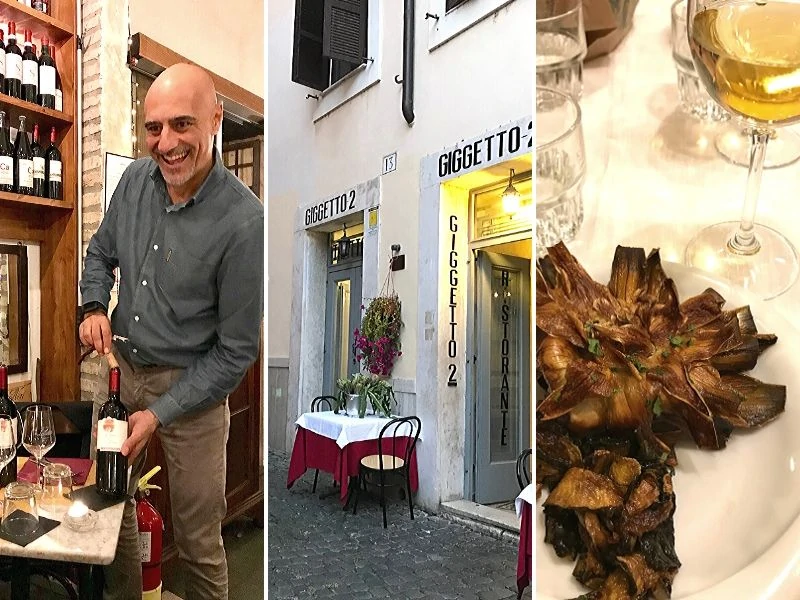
52	224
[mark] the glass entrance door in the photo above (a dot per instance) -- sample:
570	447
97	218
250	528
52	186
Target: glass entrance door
342	316
502	382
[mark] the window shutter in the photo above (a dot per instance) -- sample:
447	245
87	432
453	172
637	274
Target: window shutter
309	67
344	35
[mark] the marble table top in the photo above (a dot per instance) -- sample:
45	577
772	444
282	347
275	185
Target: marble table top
96	546
654	177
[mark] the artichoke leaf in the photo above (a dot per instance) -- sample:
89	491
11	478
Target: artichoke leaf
555	321
627	281
585	490
639	572
589	570
701	309
762	402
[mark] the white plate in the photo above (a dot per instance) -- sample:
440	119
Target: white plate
737	531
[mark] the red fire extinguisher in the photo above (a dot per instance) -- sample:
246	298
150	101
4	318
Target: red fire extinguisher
151	531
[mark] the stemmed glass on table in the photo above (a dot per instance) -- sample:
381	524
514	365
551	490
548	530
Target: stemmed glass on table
748	57
38	435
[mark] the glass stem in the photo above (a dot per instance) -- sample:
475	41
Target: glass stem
744	241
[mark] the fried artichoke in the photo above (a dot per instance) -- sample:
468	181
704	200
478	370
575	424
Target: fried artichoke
628	370
617	357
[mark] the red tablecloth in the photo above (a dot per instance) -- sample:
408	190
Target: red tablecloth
524	558
314	451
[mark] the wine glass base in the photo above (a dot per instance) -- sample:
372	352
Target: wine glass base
734	145
766	274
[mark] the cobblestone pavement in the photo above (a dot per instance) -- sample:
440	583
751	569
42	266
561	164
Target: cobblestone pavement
317	550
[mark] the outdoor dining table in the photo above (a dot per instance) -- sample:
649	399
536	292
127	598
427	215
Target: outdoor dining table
85	549
524	505
336	443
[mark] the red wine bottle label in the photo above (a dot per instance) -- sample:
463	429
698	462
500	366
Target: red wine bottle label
59	100
55	170
30	72
38	167
6	170
13	66
25	172
111	433
8	437
47	80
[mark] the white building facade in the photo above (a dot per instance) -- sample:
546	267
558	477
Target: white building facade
410	162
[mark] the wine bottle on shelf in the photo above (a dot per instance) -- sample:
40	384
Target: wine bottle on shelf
6	157
112	430
2	60
30	70
47	77
52	168
23	160
7	407
58	94
39	180
40	5
13	81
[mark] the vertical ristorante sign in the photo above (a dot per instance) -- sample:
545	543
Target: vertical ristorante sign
452	348
505	312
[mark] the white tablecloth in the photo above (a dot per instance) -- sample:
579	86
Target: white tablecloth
527	495
346	430
654	177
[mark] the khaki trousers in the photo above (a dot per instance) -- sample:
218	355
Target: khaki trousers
194	450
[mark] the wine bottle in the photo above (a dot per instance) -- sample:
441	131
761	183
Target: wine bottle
13	80
112	431
47	77
58	94
7	407
2	60
23	160
40	5
6	157
39	178
30	70
52	168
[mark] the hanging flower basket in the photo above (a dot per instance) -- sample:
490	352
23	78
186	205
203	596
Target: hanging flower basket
377	342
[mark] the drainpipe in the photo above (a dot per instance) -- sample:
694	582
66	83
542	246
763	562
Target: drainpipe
408	61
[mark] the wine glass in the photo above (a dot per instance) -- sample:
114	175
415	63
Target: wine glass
747	58
8	441
38	435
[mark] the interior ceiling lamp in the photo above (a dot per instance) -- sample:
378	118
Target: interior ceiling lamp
344	243
510	196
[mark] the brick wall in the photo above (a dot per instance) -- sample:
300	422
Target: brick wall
106	128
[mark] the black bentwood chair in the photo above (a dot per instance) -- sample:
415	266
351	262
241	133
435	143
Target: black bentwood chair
319	404
377	470
524	468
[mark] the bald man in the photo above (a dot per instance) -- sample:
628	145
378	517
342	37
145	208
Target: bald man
188	239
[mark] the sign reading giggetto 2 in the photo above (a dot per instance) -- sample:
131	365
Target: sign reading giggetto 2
492	147
346	202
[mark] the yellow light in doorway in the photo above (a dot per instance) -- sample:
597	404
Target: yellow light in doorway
510	196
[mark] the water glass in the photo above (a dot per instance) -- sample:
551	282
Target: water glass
560	168
20	514
694	98
56	485
560	45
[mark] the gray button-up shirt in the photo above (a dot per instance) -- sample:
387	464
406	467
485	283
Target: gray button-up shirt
191	281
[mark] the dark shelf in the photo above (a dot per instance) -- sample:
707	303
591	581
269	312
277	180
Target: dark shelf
39	23
21	200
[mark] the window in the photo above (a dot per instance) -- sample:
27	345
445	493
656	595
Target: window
330	40
451	4
456	16
243	158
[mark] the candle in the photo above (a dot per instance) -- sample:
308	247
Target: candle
78	510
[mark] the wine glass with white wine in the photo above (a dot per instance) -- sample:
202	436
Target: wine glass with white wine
747	54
